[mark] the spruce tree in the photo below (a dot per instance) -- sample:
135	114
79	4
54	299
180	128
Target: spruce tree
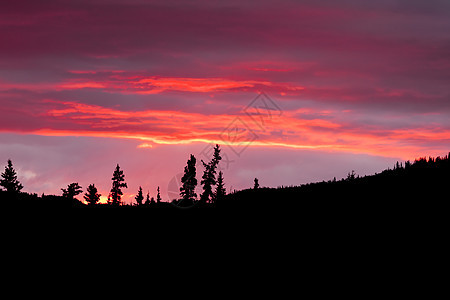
158	196
139	197
220	188
188	183
147	199
9	179
92	196
118	182
209	175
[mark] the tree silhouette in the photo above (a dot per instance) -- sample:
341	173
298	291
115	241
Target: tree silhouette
147	199
92	196
209	176
72	190
158	196
256	185
188	183
9	179
407	164
139	197
351	176
118	182
220	189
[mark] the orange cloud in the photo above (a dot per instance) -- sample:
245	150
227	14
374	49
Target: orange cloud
145	145
155	127
194	84
82	85
155	85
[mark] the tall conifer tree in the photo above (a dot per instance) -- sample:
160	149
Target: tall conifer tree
209	176
118	182
9	179
189	182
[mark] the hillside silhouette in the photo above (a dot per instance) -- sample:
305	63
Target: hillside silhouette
419	181
422	180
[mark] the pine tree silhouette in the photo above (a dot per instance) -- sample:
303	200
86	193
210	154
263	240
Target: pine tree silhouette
72	190
9	179
92	196
147	199
139	197
209	176
256	185
188	183
118	182
158	196
220	188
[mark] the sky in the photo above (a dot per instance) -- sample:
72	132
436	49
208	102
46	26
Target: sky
293	91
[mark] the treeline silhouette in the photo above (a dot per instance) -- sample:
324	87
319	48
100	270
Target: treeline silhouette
188	198
420	180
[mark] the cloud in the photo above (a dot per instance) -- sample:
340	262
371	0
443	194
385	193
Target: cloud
299	129
157	84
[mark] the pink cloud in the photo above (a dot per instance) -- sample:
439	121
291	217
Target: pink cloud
326	129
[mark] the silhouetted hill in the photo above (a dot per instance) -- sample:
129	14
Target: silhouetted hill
422	180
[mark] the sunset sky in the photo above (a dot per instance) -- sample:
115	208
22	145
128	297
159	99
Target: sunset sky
293	91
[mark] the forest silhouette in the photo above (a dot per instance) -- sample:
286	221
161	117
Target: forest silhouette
420	180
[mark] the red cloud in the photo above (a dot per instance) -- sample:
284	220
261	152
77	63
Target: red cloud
193	84
154	84
288	130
